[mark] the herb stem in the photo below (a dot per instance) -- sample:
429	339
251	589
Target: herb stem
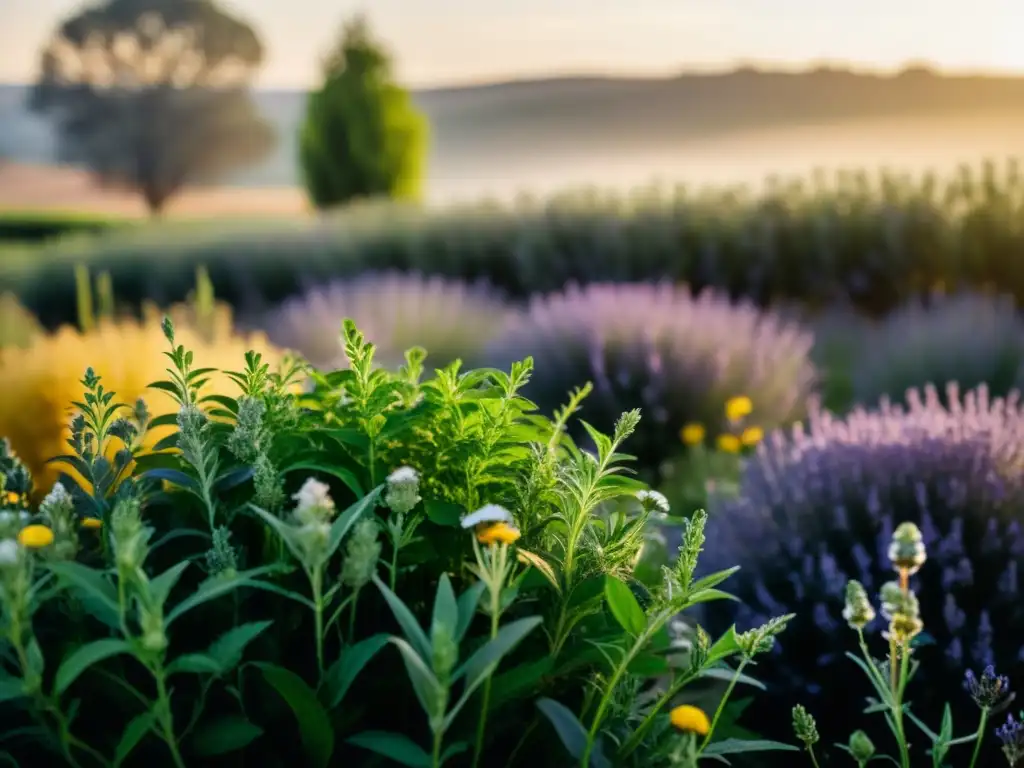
722	703
981	735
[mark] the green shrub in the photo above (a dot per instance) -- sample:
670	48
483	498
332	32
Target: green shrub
874	244
330	572
362	137
35	227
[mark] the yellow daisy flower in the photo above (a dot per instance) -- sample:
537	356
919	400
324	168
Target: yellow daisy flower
729	444
692	433
498	533
691	719
738	407
752	436
11	497
35	536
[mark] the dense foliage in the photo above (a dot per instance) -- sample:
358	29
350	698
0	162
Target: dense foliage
968	339
395	312
819	507
872	242
678	357
362	136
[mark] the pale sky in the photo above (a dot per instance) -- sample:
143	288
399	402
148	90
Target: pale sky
437	42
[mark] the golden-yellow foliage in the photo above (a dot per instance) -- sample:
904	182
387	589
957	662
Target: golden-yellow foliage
39	384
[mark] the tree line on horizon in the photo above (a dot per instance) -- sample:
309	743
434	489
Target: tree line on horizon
151	96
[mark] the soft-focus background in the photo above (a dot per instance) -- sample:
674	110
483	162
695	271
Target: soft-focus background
817	208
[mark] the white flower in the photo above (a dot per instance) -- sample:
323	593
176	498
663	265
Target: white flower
8	552
313	495
404	476
653	500
489	513
57	498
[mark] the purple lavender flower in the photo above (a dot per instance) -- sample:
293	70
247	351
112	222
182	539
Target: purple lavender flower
818	507
971	339
452	320
677	357
990	691
1011	734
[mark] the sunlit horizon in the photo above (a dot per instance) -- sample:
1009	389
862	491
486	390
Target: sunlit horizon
458	42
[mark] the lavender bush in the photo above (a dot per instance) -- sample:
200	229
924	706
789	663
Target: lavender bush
971	339
657	347
452	319
819	507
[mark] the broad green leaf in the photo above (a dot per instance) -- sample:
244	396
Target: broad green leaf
568	727
343	672
724	673
491	653
520	681
288	534
85	656
737	746
161	586
227	649
410	628
172	476
624	607
223	735
100	593
210	589
453	749
11	688
444	513
723	647
713	579
196	663
314	724
446	609
424	683
541	565
394	746
232	479
349	517
348	477
469	601
132	736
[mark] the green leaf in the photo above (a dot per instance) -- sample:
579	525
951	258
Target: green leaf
346	476
724	673
227	649
314	724
209	589
723	647
84	657
394	746
100	593
624	607
425	684
738	746
444	513
568	727
412	630
488	656
233	479
713	579
349	517
707	595
446	609
343	672
173	476
11	688
196	663
469	601
161	586
132	736
226	734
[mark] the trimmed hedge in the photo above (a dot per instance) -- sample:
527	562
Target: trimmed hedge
871	241
40	226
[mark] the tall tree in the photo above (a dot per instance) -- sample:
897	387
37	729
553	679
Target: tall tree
363	136
153	95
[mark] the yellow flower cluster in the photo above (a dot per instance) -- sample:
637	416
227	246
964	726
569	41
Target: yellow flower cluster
736	409
40	383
